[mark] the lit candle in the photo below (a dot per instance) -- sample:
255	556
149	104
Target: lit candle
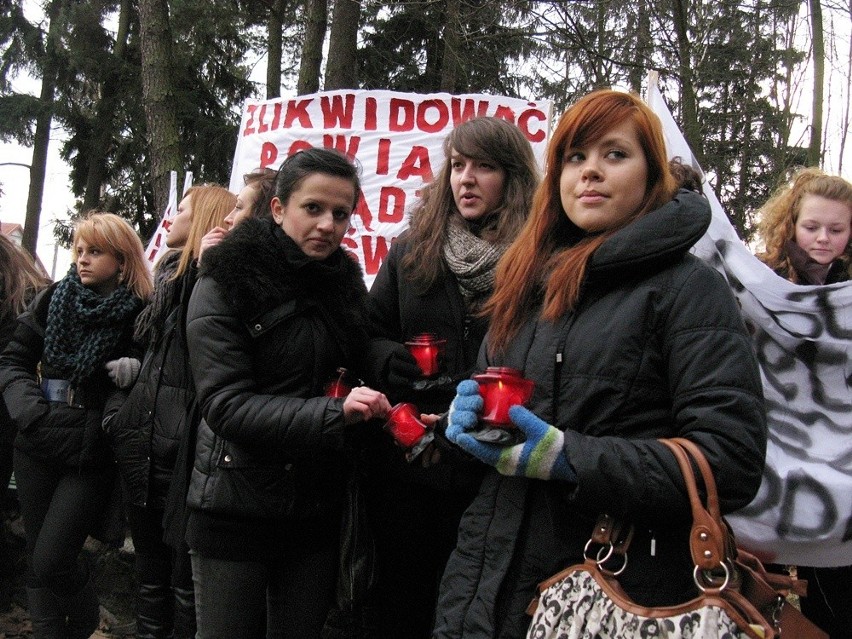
427	351
404	425
337	387
502	388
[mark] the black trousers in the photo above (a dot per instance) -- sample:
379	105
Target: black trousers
59	505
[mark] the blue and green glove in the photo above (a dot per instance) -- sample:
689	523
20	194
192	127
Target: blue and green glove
541	456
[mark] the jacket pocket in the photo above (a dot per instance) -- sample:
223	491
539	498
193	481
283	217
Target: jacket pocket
246	485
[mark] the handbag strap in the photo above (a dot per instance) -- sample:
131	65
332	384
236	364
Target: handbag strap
708	535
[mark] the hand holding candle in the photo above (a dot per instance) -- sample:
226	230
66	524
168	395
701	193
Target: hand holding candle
502	388
364	403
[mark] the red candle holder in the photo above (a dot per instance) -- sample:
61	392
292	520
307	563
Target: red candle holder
502	388
407	430
427	350
339	386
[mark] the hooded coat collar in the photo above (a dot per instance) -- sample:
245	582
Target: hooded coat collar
655	240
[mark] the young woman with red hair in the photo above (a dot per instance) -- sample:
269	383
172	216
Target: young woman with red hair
628	338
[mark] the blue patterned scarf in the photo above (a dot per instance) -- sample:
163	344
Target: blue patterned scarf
83	328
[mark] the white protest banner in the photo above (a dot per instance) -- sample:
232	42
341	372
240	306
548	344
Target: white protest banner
157	245
395	137
803	341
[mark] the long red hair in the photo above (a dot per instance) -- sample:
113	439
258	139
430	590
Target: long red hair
536	268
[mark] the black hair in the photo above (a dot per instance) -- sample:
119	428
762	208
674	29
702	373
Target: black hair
315	160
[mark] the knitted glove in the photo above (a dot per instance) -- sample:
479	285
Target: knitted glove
123	371
464	410
541	456
402	368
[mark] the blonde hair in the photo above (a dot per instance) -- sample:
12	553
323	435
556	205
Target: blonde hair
779	215
113	234
20	280
210	203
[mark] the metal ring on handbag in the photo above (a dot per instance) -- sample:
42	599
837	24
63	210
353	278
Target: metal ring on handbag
724	585
614	573
609	550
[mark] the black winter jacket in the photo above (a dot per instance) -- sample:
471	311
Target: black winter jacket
8	323
145	425
267	328
656	348
54	431
399	311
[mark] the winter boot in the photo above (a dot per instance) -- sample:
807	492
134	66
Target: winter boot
153	611
47	613
184	613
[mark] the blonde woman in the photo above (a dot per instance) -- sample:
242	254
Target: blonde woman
806	229
55	383
148	430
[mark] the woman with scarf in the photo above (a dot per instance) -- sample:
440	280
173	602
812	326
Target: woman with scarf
278	309
807	230
149	426
56	377
627	338
435	279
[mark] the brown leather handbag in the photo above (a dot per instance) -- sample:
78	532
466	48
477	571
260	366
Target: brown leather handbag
737	599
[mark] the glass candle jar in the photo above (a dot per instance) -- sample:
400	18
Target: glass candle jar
407	430
339	386
427	350
502	388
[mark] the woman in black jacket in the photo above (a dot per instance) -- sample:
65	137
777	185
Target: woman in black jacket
279	307
147	427
55	383
20	280
434	280
627	338
807	230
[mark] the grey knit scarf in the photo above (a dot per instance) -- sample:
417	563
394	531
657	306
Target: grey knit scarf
472	260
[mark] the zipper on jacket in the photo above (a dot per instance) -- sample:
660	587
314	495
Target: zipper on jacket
557	375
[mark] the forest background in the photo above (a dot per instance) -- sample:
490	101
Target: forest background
129	90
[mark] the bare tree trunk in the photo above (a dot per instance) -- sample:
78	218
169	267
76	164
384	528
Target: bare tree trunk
158	96
643	46
101	140
844	129
341	70
316	19
450	70
41	141
814	148
273	49
688	101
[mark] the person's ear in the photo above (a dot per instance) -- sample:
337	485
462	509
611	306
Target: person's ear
277	209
